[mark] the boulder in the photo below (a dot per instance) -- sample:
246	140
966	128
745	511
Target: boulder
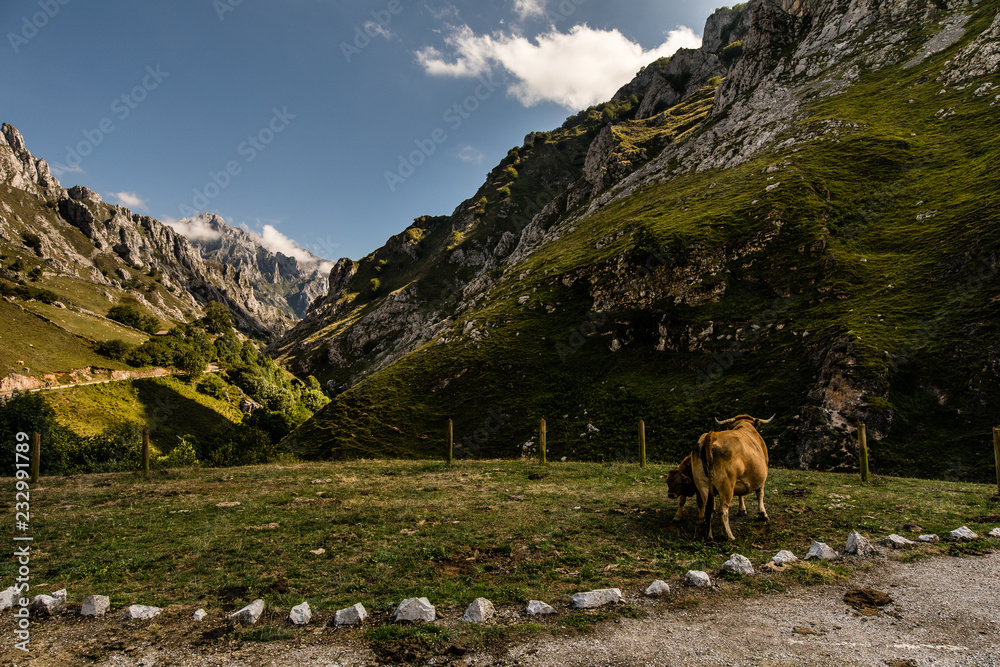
301	614
350	615
697	578
995	532
738	564
930	539
479	611
598	598
249	615
48	605
199	615
140	612
783	557
8	597
820	551
658	588
415	609
95	605
895	541
858	545
963	533
537	607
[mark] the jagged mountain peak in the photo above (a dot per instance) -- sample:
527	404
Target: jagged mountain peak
266	291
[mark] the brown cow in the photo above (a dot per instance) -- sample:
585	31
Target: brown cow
680	485
733	462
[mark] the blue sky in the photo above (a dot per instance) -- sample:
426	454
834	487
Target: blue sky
324	123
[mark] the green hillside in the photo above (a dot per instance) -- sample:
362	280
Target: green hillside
857	262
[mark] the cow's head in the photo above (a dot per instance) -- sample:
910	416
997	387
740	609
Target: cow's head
732	423
679	480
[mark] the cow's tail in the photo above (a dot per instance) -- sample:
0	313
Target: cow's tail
705	455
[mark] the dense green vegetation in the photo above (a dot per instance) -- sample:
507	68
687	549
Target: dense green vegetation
99	428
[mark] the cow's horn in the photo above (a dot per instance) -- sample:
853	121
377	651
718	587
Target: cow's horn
722	423
768	421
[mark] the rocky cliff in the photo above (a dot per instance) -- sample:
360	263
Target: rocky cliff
799	217
115	251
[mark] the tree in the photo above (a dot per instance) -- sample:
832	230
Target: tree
217	319
191	363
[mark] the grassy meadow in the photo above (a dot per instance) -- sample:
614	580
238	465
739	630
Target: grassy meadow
378	531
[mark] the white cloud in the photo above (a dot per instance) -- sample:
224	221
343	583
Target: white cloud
59	169
575	69
194	229
276	242
470	154
373	28
130	200
527	8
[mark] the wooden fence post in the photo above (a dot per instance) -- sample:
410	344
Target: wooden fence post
996	452
451	441
541	440
863	447
642	443
36	455
145	452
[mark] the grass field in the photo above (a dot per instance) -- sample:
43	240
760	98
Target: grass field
376	532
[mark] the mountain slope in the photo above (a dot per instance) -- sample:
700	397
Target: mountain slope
814	236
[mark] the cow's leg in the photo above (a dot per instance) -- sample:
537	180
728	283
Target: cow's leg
761	512
706	524
680	507
701	507
725	500
743	507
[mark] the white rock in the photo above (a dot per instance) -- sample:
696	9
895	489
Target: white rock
138	612
199	615
8	597
783	557
963	533
858	545
415	609
929	538
820	551
536	607
95	605
658	588
898	542
249	615
351	615
47	605
479	611
300	614
697	578
993	533
739	564
598	598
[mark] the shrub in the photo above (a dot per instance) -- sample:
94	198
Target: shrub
133	316
374	284
731	53
183	455
33	241
214	386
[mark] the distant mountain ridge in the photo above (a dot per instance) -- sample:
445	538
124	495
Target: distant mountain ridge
266	291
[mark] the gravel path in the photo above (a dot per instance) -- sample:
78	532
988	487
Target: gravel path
946	612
